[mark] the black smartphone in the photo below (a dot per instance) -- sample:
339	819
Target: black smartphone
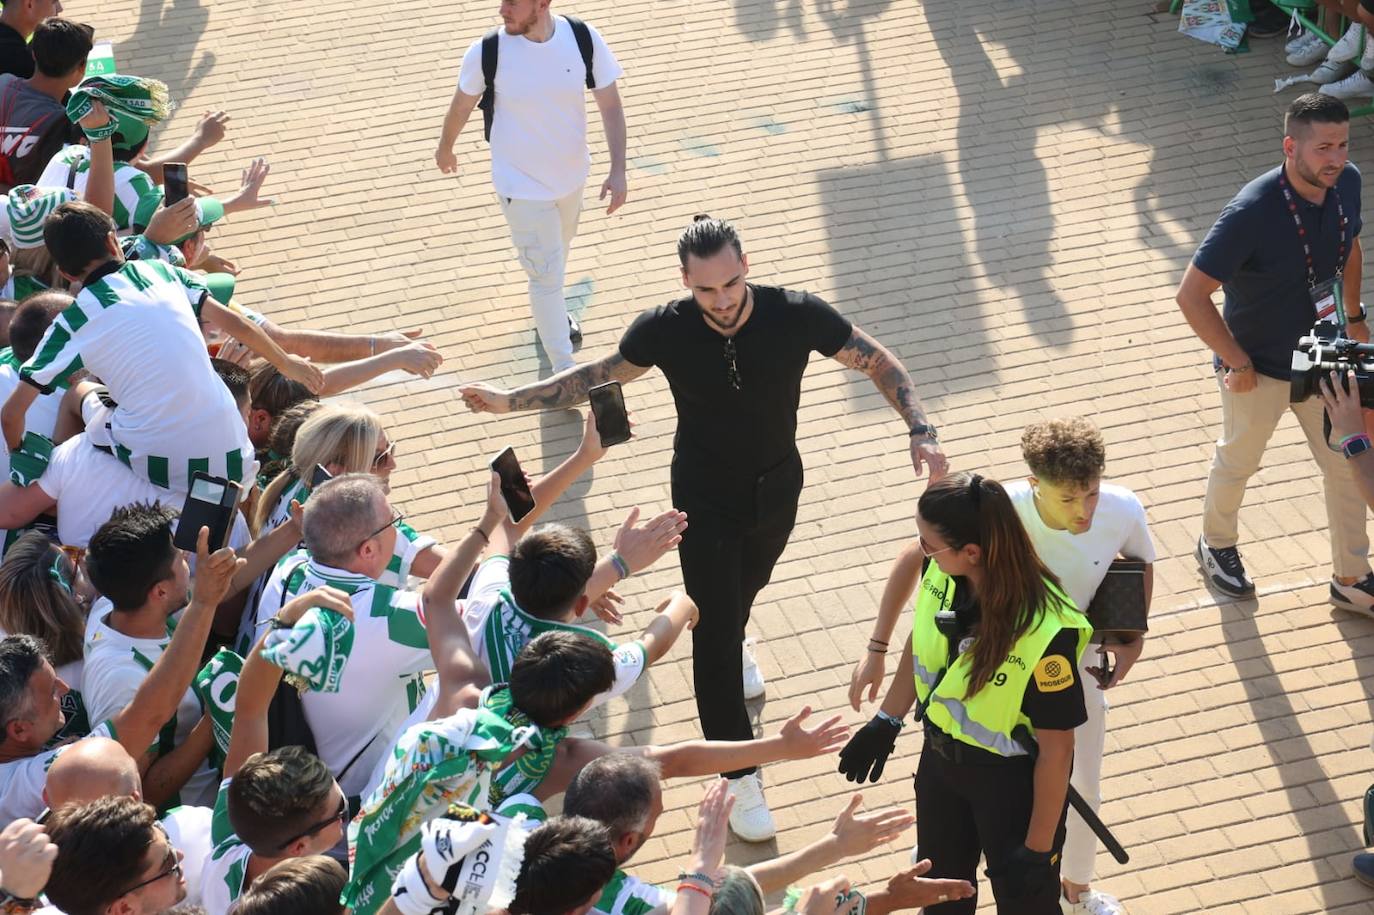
1104	671
519	499
608	409
319	476
175	184
211	503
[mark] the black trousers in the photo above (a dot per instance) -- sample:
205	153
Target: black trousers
965	809
737	527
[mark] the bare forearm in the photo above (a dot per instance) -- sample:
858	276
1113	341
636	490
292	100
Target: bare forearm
892	379
901	695
665	628
551	486
249	334
340	378
456	118
262	554
1354	272
778	874
325	345
257	683
571	385
1202	316
604	577
708	757
166	776
901	582
162	690
100	186
613	122
1052	768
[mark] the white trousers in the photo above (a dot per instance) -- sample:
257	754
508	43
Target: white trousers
542	232
1089	740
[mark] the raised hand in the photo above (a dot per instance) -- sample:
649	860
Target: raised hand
859	833
826	737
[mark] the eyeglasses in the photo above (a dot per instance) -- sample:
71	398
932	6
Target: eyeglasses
731	369
925	547
341	816
170	865
381	457
396	518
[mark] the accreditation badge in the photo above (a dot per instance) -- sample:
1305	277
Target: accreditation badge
1326	297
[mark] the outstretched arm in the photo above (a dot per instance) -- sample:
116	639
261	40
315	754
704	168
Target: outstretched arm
568	387
864	354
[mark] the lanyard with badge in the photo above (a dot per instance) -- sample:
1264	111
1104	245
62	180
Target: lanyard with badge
1327	295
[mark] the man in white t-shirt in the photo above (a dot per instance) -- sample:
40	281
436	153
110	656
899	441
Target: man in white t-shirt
31	693
539	155
1079	525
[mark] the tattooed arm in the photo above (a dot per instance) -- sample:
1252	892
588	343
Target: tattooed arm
864	354
562	390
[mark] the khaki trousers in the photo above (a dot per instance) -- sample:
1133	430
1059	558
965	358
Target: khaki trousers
1247	422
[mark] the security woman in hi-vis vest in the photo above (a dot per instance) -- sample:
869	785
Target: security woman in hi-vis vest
991	668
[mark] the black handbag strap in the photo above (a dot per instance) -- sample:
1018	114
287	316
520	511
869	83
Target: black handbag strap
491	49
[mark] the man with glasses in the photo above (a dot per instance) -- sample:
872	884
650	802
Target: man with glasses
734	354
350	535
113	856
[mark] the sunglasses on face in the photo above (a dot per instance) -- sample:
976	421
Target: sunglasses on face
382	455
171	864
341	815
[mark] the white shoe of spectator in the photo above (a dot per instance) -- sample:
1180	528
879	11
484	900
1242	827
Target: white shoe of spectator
1367	58
1359	597
1092	903
1331	71
753	677
1349	47
751	819
1307	50
1297	40
1356	85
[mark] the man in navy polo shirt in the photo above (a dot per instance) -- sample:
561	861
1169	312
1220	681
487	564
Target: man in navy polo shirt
1286	251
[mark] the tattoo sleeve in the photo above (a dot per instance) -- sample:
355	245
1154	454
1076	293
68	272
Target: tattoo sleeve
570	387
864	354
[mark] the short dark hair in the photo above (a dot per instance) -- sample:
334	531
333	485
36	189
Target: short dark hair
567	861
20	657
235	378
31	320
556	674
272	391
299	886
277	795
1064	451
100	851
1313	108
549	569
75	234
707	236
132	552
616	790
60	46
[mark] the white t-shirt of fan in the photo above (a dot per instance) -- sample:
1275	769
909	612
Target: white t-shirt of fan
539	127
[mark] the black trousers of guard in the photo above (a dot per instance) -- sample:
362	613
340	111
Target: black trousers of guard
737	527
980	804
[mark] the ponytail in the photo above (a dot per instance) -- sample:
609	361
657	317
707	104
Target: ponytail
968	508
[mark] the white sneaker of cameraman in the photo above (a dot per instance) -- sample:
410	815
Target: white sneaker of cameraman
1091	902
753	677
751	819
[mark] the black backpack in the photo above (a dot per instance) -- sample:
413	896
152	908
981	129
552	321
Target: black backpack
490	50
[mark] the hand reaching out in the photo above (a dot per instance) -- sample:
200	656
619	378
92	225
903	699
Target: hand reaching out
642	545
826	737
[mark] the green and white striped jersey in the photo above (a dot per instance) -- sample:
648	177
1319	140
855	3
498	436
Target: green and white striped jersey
627	895
137	328
19	288
136	196
224	877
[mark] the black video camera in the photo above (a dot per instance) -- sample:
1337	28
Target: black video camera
1328	350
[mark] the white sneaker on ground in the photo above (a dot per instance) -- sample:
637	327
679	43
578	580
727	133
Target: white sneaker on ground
1307	50
1350	45
753	677
1297	40
1367	58
1331	71
751	819
1092	902
1355	85
1357	598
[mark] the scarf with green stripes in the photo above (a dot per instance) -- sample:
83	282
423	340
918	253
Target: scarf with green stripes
314	652
135	102
434	764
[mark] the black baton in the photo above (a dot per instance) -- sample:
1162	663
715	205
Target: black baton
1023	736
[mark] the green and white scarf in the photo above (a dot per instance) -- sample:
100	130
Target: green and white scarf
314	652
138	97
215	686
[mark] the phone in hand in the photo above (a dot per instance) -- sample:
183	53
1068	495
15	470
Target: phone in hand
1106	670
211	503
319	476
608	410
514	489
176	185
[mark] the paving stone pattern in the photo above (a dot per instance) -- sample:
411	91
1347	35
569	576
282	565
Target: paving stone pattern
1004	193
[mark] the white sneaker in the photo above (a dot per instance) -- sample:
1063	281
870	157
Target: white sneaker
1330	72
751	819
1350	45
1293	43
1367	58
1092	903
1308	50
1355	85
1357	598
753	677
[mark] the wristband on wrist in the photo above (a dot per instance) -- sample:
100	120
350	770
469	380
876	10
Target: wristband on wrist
697	876
621	566
483	534
11	904
895	722
873	641
1357	318
96	134
1355	444
695	889
1240	369
923	430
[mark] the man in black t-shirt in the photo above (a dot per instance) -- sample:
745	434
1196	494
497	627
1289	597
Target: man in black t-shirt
734	355
18	19
33	120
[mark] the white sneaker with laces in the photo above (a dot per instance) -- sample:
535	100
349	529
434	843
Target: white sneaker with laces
1367	58
1308	50
753	677
1357	598
1294	42
1330	71
1092	902
1356	85
751	819
1349	47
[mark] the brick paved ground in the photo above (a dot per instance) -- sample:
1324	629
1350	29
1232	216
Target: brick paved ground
1005	193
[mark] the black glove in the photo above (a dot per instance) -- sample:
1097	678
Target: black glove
863	758
1024	870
